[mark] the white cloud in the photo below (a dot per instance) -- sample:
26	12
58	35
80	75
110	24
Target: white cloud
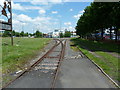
41	19
45	2
71	10
2	19
78	0
82	11
17	6
32	7
54	12
2	2
62	0
39	2
55	1
16	21
28	24
24	18
67	23
77	16
42	11
70	28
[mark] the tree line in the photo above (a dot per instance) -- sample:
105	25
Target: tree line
66	34
22	34
37	34
98	17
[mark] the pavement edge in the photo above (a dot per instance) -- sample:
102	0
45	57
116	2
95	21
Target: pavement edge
116	84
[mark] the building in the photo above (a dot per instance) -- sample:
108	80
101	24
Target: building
55	34
73	34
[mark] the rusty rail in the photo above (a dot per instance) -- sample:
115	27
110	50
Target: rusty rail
37	62
59	64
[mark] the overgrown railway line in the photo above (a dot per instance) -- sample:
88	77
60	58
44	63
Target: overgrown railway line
49	63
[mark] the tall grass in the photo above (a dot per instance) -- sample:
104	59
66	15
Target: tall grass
23	50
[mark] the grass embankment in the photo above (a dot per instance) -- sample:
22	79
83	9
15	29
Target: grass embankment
24	49
108	62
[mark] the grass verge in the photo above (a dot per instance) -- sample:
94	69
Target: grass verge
108	62
24	49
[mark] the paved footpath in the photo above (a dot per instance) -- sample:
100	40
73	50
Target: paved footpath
78	72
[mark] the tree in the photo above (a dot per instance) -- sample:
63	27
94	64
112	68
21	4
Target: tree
6	34
67	34
31	34
116	16
26	34
99	16
13	32
61	35
38	34
17	34
22	33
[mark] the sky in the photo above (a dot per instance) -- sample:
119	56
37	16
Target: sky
46	15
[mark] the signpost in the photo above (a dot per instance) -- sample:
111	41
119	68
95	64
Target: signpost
7	26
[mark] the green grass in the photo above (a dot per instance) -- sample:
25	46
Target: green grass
108	62
24	49
98	46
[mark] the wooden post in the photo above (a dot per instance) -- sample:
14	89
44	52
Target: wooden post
11	22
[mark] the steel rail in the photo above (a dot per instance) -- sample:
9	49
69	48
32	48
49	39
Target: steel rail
33	65
59	64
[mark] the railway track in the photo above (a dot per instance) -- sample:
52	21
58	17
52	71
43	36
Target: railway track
49	63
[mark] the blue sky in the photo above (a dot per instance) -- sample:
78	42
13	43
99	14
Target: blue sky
46	16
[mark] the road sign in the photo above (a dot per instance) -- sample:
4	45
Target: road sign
5	26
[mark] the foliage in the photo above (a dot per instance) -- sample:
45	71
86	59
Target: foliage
6	34
61	35
99	16
67	34
21	34
38	34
